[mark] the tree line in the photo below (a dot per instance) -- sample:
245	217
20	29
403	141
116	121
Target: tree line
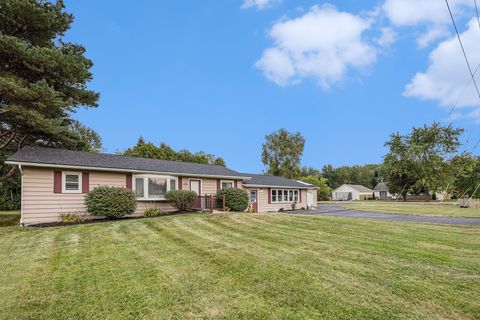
427	160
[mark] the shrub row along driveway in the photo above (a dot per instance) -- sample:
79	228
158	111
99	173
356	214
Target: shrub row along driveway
240	266
337	211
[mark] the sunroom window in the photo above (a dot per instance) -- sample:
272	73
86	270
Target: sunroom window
153	187
284	195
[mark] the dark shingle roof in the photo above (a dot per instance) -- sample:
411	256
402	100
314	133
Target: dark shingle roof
59	157
273	181
381	186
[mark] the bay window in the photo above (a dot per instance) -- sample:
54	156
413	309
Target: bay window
153	187
284	195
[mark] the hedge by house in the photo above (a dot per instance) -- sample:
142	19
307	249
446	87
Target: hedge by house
235	199
112	202
181	199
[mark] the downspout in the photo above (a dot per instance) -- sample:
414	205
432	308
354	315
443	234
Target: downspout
21	194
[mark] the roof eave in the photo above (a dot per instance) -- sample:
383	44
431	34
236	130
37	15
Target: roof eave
49	165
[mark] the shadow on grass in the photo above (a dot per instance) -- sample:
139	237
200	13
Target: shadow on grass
103	220
9	219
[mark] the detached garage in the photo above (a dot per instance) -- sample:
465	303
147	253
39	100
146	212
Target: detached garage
351	192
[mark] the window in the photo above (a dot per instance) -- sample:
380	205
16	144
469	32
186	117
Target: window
253	196
139	193
157	187
284	195
227	184
72	182
153	187
173	184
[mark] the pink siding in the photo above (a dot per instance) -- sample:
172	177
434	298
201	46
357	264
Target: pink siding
41	205
264	205
208	185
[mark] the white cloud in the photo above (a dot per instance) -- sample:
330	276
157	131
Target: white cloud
413	12
431	36
387	38
447	75
322	44
432	15
259	4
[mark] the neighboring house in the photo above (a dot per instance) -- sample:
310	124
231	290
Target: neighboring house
55	181
381	191
351	192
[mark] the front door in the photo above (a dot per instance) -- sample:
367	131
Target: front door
254	200
309	199
195	185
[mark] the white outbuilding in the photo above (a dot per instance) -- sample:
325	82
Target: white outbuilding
352	192
381	191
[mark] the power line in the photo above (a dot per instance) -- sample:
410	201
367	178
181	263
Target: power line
475	147
476	10
463	91
463	49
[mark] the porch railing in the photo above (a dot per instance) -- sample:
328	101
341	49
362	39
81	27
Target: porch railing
209	203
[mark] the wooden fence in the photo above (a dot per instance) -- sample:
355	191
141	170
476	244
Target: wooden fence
209	203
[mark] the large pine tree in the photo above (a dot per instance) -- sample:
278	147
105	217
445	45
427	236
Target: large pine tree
42	79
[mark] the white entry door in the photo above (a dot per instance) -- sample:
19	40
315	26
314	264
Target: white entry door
309	199
195	186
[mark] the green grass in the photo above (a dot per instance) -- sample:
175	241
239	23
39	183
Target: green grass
9	218
240	266
416	209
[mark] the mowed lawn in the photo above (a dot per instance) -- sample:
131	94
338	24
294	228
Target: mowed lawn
418	209
240	266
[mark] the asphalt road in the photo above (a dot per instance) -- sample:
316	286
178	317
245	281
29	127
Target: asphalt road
337	211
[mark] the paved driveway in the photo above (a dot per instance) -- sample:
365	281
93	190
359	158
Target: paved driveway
336	211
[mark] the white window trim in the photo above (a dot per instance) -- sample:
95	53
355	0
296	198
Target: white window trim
64	182
232	181
288	195
145	185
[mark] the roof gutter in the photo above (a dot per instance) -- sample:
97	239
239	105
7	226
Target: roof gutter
273	186
46	165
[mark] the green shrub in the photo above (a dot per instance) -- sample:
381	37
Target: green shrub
235	199
181	199
72	217
111	202
153	212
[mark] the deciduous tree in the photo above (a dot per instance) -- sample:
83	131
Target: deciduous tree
165	152
420	160
282	153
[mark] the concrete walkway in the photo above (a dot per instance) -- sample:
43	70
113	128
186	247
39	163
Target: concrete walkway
336	211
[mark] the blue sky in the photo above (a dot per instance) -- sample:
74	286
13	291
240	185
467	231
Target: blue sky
218	76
